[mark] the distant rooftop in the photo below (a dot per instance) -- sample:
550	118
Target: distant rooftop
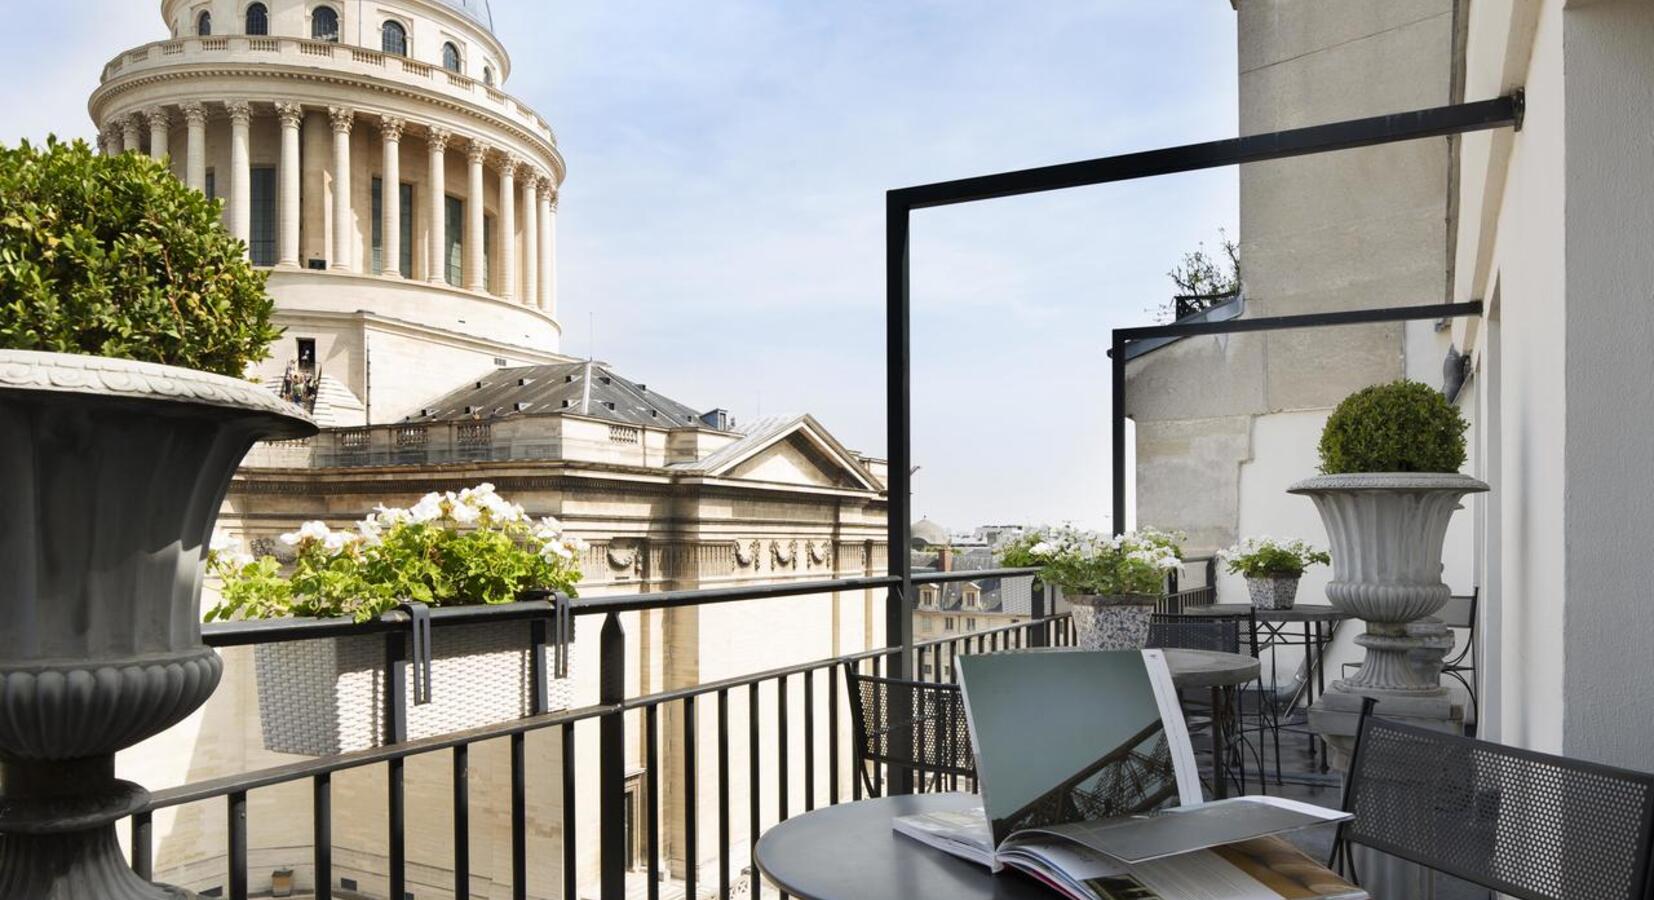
578	388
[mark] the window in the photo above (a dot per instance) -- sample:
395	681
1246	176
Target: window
324	24
487	250
947	623
307	354
394	38
258	19
404	221
203	24
261	242
453	244
488	75
970	624
450	57
212	184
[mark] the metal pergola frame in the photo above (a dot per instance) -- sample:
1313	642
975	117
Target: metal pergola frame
1482	115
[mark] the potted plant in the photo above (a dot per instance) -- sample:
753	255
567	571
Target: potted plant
1272	568
323	697
1390	482
1111	582
128	317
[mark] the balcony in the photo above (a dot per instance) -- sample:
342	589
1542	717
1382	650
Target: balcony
360	64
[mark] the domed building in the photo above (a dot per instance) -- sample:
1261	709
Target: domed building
369	156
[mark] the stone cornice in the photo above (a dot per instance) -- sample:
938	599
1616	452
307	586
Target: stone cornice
110	91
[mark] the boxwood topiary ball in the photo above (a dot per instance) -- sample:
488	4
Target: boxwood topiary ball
1404	426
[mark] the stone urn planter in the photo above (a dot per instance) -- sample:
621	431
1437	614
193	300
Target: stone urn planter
324	697
1272	591
1386	532
112	473
1111	622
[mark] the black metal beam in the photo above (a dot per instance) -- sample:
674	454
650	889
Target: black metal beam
1122	338
898	616
1481	115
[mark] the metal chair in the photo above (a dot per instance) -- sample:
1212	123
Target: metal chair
1527	824
934	729
1222	634
1460	614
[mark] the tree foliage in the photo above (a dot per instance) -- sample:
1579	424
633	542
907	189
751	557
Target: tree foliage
1404	426
1203	280
113	256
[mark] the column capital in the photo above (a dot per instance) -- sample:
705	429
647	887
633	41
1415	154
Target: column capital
195	113
437	138
548	187
552	198
342	117
158	117
131	122
390	128
477	151
241	112
508	164
291	114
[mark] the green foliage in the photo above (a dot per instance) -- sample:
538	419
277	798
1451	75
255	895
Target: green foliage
1088	562
449	549
1404	426
113	256
1203	279
1269	558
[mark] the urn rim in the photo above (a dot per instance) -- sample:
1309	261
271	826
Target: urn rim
24	371
1390	481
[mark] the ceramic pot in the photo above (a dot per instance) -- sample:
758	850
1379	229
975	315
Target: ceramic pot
112	473
1272	591
1386	532
1111	622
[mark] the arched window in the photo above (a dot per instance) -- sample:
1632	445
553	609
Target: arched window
258	19
488	75
324	24
394	38
450	57
203	24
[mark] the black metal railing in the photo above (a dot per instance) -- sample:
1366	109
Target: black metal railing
765	700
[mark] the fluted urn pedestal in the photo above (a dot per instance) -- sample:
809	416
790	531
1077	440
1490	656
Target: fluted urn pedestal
111	473
1386	532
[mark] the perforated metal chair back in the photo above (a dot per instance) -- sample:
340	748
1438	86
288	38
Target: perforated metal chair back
1168	631
1527	824
1460	610
914	725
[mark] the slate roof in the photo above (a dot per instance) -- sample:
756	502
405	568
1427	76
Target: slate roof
579	388
1012	596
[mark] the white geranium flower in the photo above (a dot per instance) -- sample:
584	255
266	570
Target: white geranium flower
465	513
371	530
428	509
337	540
557	549
222	543
391	516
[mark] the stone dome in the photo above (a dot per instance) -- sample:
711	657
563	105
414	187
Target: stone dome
476	10
929	533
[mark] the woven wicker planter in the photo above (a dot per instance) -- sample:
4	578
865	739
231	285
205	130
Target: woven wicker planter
1272	591
324	697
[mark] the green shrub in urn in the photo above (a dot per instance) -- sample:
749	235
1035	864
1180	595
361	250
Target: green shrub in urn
113	256
1404	426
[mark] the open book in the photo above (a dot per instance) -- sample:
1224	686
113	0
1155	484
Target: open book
1089	785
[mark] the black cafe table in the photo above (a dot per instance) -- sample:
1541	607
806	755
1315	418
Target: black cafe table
850	851
1222	674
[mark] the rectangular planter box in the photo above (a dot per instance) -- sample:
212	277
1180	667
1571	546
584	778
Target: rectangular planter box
325	697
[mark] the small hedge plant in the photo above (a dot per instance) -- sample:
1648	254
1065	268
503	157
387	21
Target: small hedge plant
113	256
1404	426
1269	558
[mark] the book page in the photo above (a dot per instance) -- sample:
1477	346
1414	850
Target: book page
1168	832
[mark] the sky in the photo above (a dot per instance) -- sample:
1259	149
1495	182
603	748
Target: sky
720	233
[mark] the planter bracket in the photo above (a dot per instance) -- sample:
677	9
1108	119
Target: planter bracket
420	615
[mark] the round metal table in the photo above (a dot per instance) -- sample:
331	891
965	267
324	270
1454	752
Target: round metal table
850	852
1223	673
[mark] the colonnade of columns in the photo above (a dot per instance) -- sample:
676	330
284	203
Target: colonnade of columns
530	281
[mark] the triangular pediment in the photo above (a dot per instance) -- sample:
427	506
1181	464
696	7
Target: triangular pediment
797	451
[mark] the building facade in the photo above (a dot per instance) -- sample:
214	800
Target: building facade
368	155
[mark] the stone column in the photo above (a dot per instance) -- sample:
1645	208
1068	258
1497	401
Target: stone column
109	139
531	237
475	205
195	160
131	130
436	267
292	118
241	173
160	132
390	197
508	227
343	119
548	247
